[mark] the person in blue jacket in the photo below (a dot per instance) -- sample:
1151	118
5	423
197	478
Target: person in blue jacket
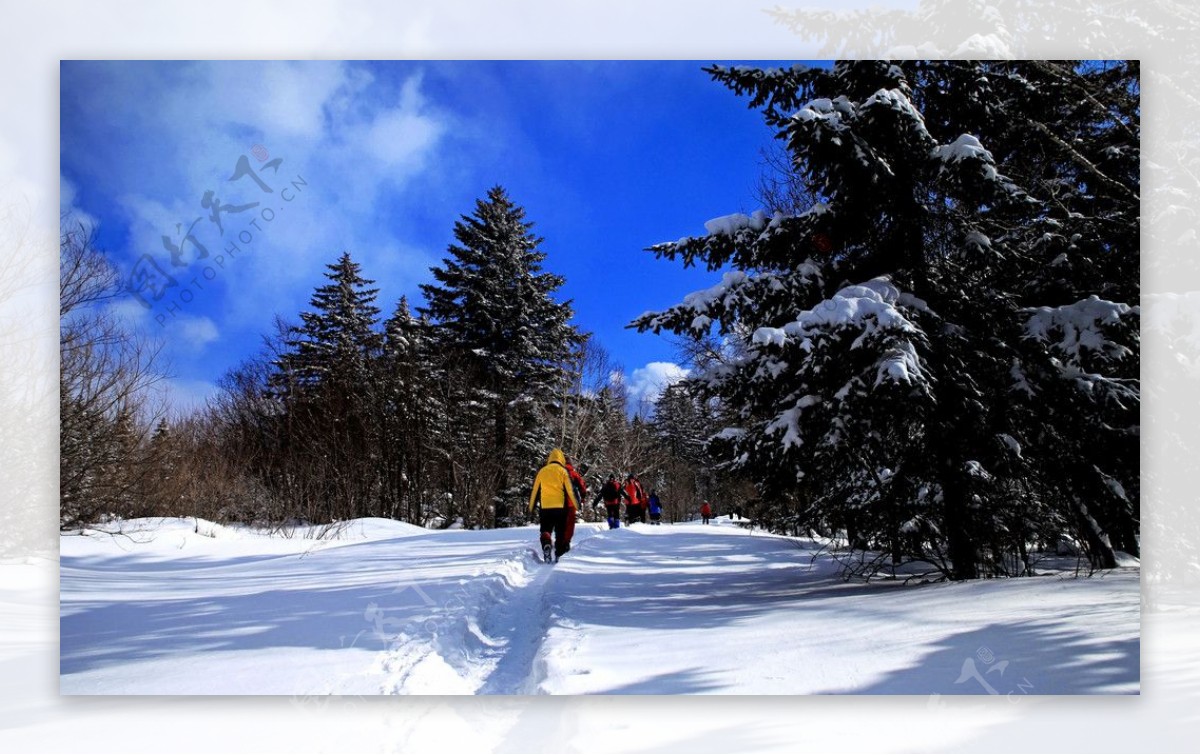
655	508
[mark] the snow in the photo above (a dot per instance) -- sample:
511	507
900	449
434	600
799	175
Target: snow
703	299
975	469
769	337
965	147
1020	381
898	101
900	365
728	225
978	46
869	307
1080	325
978	240
1115	486
685	608
788	421
1012	444
826	111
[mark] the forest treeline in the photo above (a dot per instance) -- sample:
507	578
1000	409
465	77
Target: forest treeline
433	416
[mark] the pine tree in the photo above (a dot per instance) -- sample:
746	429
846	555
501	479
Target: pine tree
337	339
410	412
890	350
495	309
325	379
681	424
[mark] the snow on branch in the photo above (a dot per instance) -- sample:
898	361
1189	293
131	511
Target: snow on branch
788	421
1076	329
827	112
728	225
735	291
725	237
869	306
896	101
900	365
965	147
968	156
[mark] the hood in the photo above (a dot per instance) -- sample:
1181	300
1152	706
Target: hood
556	457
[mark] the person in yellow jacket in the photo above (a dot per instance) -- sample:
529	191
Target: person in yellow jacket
552	491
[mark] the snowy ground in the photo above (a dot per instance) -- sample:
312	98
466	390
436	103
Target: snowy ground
389	608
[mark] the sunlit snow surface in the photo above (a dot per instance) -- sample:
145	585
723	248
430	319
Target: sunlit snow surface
384	607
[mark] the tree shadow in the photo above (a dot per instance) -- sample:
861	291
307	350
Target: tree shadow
703	582
684	682
1036	658
173	611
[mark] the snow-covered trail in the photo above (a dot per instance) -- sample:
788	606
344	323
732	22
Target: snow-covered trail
694	609
648	610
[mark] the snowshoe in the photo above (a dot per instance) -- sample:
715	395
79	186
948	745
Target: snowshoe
547	553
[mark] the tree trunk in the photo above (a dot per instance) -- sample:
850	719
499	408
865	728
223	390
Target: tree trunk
1125	534
1100	551
501	443
960	545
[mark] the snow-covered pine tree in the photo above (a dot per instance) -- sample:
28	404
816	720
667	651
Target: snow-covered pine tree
891	348
681	423
409	413
337	339
495	310
324	377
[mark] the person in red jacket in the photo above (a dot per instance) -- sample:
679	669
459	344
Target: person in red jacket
580	488
635	509
706	512
610	495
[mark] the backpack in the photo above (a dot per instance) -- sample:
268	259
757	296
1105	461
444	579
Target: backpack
610	492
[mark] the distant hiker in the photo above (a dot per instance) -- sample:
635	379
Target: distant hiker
611	494
655	508
554	494
706	512
579	488
635	509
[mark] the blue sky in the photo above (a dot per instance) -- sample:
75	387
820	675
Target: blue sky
380	159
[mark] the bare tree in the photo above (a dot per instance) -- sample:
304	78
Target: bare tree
781	188
106	373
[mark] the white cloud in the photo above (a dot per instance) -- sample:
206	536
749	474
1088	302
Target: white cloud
646	384
404	135
67	194
196	332
356	140
130	313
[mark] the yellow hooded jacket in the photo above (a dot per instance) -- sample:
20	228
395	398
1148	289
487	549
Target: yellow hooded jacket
552	486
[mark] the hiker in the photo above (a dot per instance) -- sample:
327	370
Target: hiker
555	497
635	509
655	508
579	488
706	512
610	495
